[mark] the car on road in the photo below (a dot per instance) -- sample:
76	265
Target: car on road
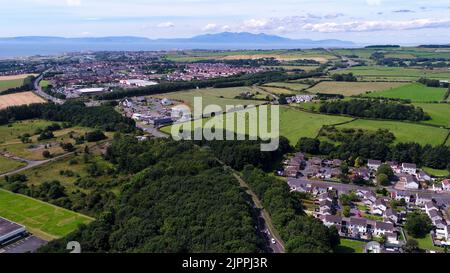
273	241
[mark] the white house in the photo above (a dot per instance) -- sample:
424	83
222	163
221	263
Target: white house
358	226
409	168
446	185
391	215
421	199
373	164
410	182
399	195
379	207
332	220
381	228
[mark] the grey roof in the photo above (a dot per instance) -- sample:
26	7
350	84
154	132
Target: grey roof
358	221
384	226
7	227
409	165
391	212
333	219
373	162
433	213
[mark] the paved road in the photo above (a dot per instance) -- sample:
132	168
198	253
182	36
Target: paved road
31	163
39	92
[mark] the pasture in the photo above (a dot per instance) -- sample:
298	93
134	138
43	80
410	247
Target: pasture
381	73
8	165
415	92
353	88
439	112
288	85
294	124
17	99
43	219
7	84
403	131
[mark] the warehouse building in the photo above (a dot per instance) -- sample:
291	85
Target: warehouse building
10	231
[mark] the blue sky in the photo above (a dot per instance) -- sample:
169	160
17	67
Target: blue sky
363	21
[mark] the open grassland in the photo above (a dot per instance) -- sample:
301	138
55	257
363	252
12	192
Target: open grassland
278	90
13	131
396	73
353	88
351	246
19	99
42	219
217	96
404	132
294	124
439	112
415	92
288	85
8	165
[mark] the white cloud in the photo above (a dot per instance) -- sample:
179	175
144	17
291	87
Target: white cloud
73	3
363	26
165	25
256	23
210	27
374	2
226	28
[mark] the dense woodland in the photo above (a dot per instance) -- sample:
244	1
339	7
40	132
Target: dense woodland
375	109
348	144
76	113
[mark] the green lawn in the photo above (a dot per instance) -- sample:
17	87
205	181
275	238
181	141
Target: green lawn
7	84
295	124
353	88
44	83
415	92
439	112
350	246
404	132
426	243
435	172
288	85
397	73
42	219
7	165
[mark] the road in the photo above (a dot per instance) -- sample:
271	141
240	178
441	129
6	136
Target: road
265	224
38	90
32	164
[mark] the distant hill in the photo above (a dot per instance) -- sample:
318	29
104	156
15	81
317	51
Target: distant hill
33	45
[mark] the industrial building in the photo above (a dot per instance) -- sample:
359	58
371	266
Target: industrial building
10	231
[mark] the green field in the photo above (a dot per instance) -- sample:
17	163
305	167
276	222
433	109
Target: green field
217	96
352	88
435	172
295	124
44	83
415	92
7	165
288	85
439	112
350	246
16	129
426	243
42	219
7	84
404	132
396	73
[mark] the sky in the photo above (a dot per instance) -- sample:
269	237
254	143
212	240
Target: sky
362	21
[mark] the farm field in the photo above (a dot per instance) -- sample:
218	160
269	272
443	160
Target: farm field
277	90
288	85
396	73
43	219
7	165
7	84
295	124
353	88
439	112
415	92
217	96
404	132
19	99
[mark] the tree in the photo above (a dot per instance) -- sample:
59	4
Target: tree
68	147
387	170
95	136
383	180
411	246
346	211
418	224
308	145
359	162
46	154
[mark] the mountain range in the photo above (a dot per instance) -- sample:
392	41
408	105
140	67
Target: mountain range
226	41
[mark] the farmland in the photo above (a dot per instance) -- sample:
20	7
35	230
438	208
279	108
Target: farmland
295	124
440	113
352	88
404	132
45	220
288	85
415	92
7	82
396	74
19	99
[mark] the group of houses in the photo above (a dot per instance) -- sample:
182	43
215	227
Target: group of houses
312	168
442	231
300	98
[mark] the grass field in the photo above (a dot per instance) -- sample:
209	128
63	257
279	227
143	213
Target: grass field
440	113
44	83
217	96
350	246
7	165
19	99
404	132
278	90
426	243
16	129
7	84
353	88
415	92
397	73
42	219
288	85
435	172
295	124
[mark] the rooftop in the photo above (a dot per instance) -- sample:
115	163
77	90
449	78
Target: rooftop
7	227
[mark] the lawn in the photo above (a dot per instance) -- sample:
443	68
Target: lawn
217	96
7	165
353	88
350	246
415	92
44	83
7	84
426	243
42	219
436	172
295	124
439	112
403	131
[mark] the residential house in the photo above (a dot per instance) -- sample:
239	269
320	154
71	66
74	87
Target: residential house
423	176
379	207
394	166
410	182
446	185
409	168
399	195
369	198
332	220
373	164
358	226
363	173
381	228
422	199
391	215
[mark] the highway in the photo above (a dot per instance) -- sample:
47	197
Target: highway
38	90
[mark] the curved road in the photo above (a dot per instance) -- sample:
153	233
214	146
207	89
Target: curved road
38	90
